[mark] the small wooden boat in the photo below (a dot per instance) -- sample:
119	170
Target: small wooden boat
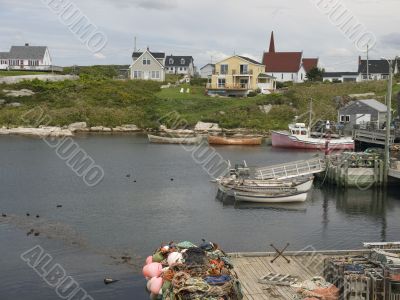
234	140
274	197
174	140
229	186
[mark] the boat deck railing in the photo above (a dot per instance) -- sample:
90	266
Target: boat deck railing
291	169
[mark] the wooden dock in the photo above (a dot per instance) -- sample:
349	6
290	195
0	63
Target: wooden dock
305	265
373	137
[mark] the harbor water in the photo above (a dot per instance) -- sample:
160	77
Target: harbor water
153	193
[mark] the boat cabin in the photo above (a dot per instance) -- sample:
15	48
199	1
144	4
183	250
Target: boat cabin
298	129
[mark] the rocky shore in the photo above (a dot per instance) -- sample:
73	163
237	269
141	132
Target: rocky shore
81	127
66	131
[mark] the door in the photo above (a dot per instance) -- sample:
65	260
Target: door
146	75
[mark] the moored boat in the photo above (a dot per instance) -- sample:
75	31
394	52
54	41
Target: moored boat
299	137
273	197
234	140
228	185
174	140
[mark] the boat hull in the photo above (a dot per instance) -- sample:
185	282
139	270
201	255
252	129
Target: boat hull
266	198
219	140
285	140
265	186
174	140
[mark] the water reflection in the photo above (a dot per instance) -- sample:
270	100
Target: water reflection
288	207
373	203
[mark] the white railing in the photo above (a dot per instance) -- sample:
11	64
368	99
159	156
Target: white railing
292	169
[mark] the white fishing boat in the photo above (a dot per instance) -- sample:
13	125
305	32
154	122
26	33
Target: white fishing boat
274	197
228	185
174	140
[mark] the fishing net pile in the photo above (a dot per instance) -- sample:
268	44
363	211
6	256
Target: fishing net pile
318	289
184	271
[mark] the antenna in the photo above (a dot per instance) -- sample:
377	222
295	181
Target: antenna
135	49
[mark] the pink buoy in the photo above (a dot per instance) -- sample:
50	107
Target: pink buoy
156	285
152	270
149	260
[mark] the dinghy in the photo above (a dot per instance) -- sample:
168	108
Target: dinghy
174	140
228	186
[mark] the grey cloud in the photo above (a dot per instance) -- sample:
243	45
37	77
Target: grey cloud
145	4
157	4
391	39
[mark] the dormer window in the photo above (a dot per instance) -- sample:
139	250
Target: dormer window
171	61
182	61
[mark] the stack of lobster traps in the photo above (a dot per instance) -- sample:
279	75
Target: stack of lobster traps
374	276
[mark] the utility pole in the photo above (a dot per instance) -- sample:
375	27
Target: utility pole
310	117
388	122
367	62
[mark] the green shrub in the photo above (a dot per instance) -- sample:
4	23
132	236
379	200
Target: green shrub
197	81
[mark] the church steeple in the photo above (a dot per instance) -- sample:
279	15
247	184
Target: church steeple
272	43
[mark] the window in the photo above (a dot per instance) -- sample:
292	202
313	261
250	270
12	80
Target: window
33	62
155	74
345	118
137	74
184	69
180	69
244	83
171	61
244	69
146	61
385	76
301	76
292	76
282	75
224	69
182	61
221	82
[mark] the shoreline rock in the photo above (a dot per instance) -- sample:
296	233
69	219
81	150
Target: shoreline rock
127	128
45	131
78	127
207	127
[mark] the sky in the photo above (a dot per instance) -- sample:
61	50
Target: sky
208	30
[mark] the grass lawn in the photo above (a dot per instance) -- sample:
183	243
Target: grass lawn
99	100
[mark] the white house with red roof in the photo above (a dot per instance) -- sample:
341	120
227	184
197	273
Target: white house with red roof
287	66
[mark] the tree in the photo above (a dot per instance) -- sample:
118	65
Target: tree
315	74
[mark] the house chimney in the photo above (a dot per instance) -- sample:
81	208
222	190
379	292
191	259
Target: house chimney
272	43
359	60
26	44
148	48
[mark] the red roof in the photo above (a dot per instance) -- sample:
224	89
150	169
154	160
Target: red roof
282	61
310	63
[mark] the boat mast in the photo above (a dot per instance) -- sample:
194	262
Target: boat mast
310	118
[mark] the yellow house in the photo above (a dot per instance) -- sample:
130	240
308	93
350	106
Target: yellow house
238	75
